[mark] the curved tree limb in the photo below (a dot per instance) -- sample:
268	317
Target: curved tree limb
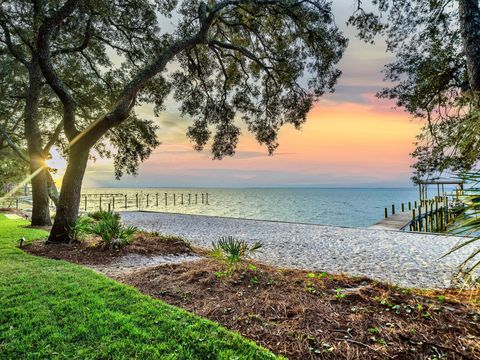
14	146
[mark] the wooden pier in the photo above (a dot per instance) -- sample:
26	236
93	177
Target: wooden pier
154	201
397	222
432	215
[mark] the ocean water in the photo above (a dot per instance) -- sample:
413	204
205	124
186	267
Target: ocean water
328	206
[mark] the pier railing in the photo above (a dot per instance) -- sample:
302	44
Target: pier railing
141	200
120	201
433	215
16	202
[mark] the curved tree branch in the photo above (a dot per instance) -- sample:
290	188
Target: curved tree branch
14	146
12	48
43	44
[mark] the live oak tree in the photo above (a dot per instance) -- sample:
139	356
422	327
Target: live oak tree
11	150
436	75
264	62
29	106
13	83
31	95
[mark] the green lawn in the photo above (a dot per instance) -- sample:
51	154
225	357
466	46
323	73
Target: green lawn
54	309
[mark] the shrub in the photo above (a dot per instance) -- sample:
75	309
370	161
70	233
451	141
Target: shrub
80	228
234	250
104	215
111	231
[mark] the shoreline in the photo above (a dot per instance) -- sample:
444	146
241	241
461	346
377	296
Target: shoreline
405	259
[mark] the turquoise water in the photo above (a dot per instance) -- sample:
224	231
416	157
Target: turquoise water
335	206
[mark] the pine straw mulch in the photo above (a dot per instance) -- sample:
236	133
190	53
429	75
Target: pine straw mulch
90	252
304	315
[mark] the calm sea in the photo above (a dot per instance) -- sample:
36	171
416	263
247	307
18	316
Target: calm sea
333	206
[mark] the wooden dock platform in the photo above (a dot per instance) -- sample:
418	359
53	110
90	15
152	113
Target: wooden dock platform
394	222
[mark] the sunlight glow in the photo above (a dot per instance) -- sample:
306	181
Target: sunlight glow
22	183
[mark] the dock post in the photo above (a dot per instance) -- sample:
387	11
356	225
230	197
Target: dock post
409	205
126	202
196	198
445	214
441	220
426	217
420	220
147	200
393	209
166	201
202	198
189	198
113	202
174	201
433	219
136	199
109	207
156	199
85	202
403	207
414	220
416	204
181	196
386	213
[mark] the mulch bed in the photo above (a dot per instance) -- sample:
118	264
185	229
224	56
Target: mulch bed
299	314
304	315
91	253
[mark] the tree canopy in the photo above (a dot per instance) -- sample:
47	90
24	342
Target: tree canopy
435	75
264	62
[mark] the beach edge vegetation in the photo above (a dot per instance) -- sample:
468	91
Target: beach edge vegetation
55	309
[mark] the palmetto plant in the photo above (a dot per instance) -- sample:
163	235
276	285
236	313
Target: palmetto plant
112	233
106	225
234	250
81	228
467	222
105	215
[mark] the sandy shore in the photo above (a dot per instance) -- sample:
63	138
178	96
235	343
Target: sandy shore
406	259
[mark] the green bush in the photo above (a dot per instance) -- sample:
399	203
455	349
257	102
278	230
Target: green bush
104	215
80	228
106	225
234	250
111	231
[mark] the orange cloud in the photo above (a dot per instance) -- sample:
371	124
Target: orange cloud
368	142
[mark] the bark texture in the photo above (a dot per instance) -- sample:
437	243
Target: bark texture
69	202
470	29
38	170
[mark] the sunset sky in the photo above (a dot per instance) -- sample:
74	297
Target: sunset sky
351	138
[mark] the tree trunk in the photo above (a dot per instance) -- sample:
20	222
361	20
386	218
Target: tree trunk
69	202
470	30
52	189
38	170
